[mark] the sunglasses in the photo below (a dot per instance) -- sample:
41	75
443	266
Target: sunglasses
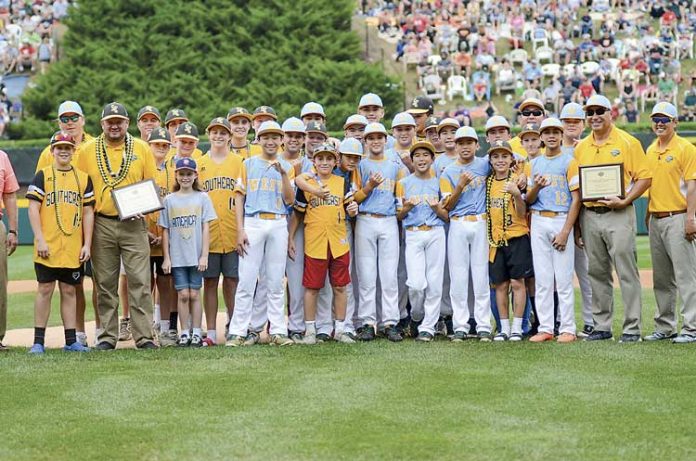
536	113
69	118
663	120
597	111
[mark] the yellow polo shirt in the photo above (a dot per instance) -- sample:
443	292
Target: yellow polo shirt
671	167
46	158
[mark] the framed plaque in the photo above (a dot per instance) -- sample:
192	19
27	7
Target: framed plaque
600	181
138	198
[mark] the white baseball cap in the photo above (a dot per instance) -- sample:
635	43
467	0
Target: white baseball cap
269	126
572	111
465	132
597	100
370	99
375	128
497	121
403	119
70	107
551	122
351	146
312	108
453	122
355	119
665	108
293	125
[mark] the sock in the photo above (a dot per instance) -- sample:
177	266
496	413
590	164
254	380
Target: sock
197	331
81	335
70	336
339	327
212	334
311	328
505	326
156	312
39	335
164	326
173	319
517	325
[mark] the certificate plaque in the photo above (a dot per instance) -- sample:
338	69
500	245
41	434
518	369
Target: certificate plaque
138	198
600	181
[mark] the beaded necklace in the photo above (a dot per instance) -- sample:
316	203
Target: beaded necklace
111	178
59	218
489	221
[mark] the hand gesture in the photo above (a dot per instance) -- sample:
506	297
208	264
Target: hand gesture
242	243
278	167
411	203
352	208
322	191
512	189
541	181
375	180
465	178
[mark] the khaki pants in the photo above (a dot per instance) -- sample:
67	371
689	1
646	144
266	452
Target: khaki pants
3	281
674	268
115	240
610	240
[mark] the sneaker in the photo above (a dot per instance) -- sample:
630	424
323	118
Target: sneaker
393	334
309	339
626	338
403	326
659	336
459	336
366	333
75	347
104	346
472	328
281	340
345	338
541	337
516	337
566	338
500	337
227	329
441	327
351	335
168	339
207	342
82	338
424	337
684	339
586	331
124	330
413	329
234	341
184	341
196	341
251	339
484	336
323	338
296	336
148	345
37	349
597	335
381	332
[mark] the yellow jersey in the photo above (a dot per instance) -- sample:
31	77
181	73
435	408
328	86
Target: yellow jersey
46	158
197	153
503	221
165	180
671	167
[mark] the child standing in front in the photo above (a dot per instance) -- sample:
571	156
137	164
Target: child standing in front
186	219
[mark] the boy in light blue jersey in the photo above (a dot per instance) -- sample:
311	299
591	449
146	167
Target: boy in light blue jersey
423	217
371	107
404	130
463	183
446	131
554	201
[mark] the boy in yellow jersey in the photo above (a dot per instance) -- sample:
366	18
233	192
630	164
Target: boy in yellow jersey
149	118
326	241
174	119
510	258
71	121
240	122
61	216
217	174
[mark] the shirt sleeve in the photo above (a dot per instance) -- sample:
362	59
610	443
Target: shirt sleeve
88	194
9	180
573	176
639	166
37	189
149	167
241	184
300	201
445	186
163	220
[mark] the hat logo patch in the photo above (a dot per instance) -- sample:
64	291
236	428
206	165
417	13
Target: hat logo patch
187	129
414	103
114	109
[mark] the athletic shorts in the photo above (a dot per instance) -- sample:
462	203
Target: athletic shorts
187	278
45	274
513	261
315	271
226	264
156	265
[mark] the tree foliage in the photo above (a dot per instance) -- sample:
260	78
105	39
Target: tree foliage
206	56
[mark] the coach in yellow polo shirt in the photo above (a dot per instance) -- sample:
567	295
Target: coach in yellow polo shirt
116	159
672	226
609	225
71	121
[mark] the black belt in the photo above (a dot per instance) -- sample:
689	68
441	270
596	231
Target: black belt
102	215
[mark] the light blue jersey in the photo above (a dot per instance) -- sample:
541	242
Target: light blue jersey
391	142
423	190
442	162
563	172
568	150
394	156
263	186
472	201
382	200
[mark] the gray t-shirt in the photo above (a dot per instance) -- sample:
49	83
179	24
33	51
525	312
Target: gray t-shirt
184	215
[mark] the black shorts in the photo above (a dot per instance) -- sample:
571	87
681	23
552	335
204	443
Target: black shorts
513	261
156	263
45	274
87	269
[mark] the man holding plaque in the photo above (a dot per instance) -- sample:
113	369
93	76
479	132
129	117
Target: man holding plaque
614	171
672	226
113	160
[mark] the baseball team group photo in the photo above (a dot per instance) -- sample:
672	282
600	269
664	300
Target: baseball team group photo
370	230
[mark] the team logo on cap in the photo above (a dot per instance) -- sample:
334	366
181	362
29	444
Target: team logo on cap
161	132
114	108
414	103
176	113
529	126
148	108
499	143
219	120
187	129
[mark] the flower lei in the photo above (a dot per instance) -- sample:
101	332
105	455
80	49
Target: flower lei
489	221
59	218
110	178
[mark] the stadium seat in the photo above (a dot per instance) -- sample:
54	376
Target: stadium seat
457	84
544	53
540	38
589	67
518	56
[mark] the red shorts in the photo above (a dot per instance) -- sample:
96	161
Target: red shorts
315	271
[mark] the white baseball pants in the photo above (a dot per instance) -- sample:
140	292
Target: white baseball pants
425	263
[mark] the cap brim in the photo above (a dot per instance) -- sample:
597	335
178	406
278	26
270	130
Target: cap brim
167	122
505	149
354	124
530	104
313	113
60	114
451	125
64	143
185	168
246	116
595	105
403	124
123	117
272	131
187	136
662	113
466	136
357	154
149	113
317	131
497	126
417	111
213	125
274	117
164	141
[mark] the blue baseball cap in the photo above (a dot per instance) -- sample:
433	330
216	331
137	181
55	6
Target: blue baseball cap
186	164
572	111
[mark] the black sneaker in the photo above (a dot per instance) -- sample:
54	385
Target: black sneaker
597	335
296	336
449	325
424	337
413	328
366	333
586	331
104	346
323	338
393	334
472	328
148	345
402	326
459	336
626	338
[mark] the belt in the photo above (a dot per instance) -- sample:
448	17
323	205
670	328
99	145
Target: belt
666	214
419	228
599	209
102	215
469	217
372	215
549	214
267	216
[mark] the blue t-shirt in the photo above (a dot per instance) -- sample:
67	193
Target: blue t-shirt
184	215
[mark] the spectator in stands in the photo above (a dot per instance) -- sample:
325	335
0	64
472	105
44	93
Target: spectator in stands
666	88
563	49
628	90
585	49
567	94
606	45
27	57
44	54
60	9
481	84
462	63
532	74
631	114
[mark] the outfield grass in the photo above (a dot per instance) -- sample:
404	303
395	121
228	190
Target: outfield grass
20	266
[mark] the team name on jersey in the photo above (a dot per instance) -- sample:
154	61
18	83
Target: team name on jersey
557	180
476	183
332	200
265	184
223	183
387	185
423	198
184	221
497	202
63	196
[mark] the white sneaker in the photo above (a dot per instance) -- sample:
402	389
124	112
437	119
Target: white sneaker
309	339
345	338
82	338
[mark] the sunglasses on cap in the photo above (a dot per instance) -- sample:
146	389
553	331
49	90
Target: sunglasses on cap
663	120
597	111
536	113
69	118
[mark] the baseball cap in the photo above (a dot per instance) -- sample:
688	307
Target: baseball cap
500	145
531	102
186	164
665	108
465	132
265	110
59	138
269	126
453	122
312	108
238	112
70	107
572	111
375	128
159	135
114	110
529	128
432	122
175	114
421	105
370	99
293	125
351	146
187	130
422	145
316	127
551	122
497	121
149	110
403	119
355	119
597	100
219	121
326	147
